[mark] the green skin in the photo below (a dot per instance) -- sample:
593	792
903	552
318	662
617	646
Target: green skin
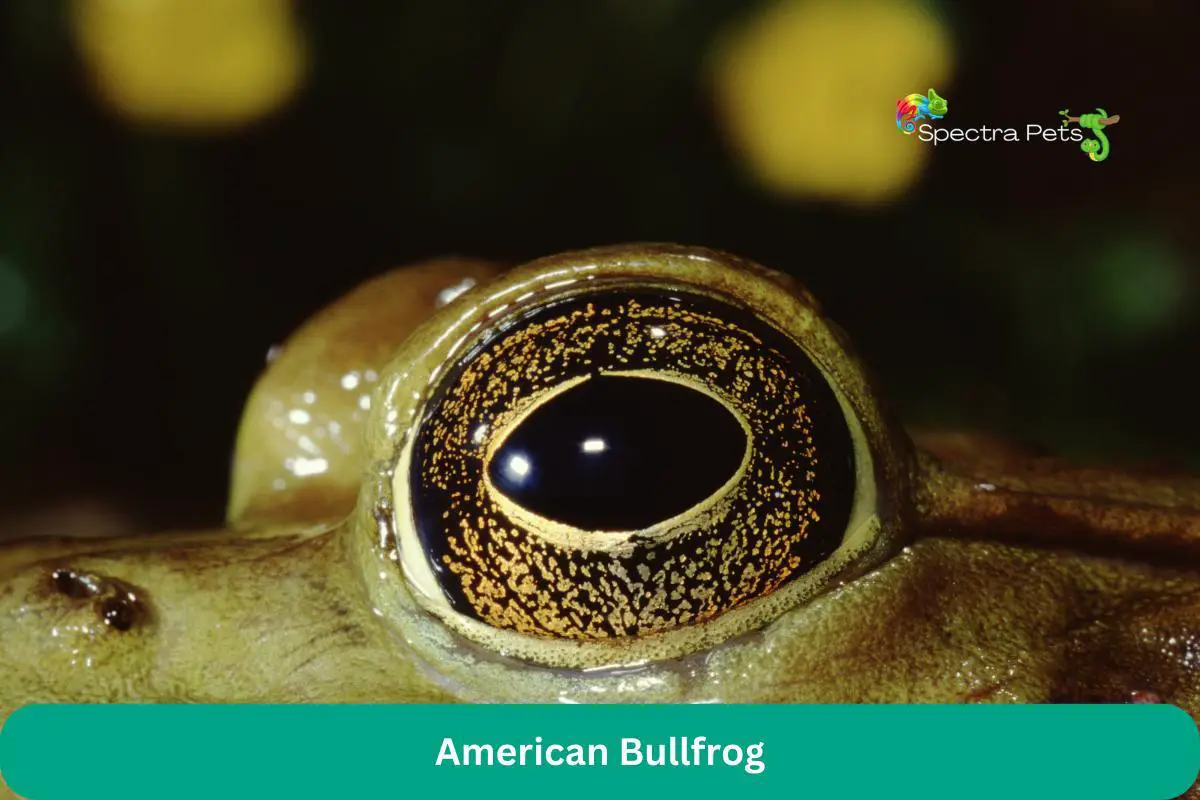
991	577
1096	149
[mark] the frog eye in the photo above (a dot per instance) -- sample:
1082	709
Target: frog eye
649	464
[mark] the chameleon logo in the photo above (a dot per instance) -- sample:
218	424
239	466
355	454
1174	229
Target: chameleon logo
919	106
1096	149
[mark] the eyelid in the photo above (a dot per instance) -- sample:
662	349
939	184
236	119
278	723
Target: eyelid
875	531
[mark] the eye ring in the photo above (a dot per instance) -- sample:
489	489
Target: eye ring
417	604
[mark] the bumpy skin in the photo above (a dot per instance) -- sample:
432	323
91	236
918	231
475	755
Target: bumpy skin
1003	580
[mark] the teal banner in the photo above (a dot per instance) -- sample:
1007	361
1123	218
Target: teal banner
130	752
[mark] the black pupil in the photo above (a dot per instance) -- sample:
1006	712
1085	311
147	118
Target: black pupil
617	453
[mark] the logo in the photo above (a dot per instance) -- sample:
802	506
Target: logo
916	112
1097	148
919	106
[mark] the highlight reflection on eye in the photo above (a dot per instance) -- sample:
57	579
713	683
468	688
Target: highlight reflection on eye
625	463
663	448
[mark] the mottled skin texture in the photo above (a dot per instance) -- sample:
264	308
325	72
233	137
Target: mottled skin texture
1005	578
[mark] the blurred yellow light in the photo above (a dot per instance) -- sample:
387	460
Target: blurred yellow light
192	63
808	90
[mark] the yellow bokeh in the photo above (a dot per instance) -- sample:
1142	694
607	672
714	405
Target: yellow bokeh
807	92
191	63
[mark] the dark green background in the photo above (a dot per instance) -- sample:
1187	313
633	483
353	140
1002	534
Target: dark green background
1019	289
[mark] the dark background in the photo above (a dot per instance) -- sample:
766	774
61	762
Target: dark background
145	268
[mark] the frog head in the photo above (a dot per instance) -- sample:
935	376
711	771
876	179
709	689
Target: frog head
647	473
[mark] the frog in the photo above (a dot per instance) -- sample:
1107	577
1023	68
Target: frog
794	543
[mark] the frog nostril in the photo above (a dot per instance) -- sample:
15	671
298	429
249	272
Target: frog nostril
119	613
117	604
70	583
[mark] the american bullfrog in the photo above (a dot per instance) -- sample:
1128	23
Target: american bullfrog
647	473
